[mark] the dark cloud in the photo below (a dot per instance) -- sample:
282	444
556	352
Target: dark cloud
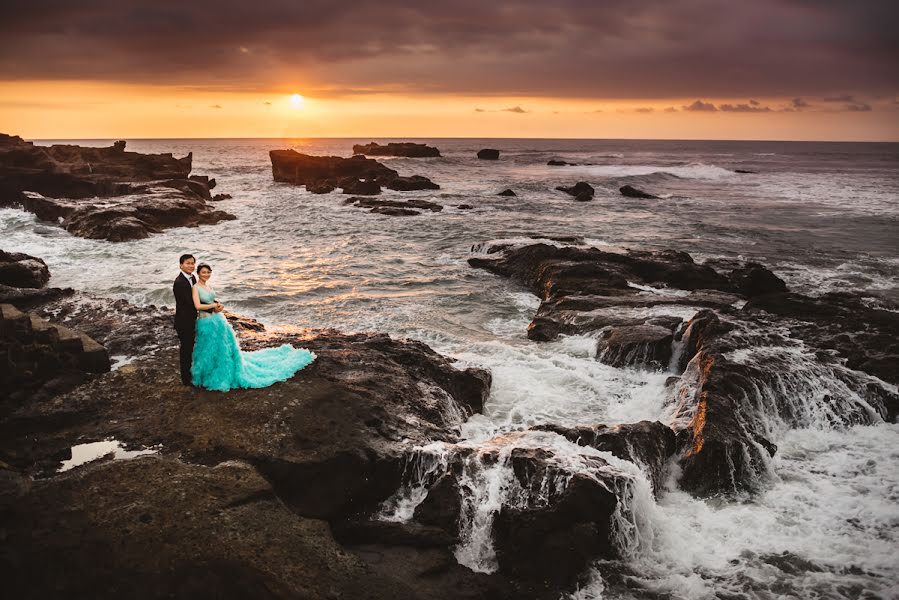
670	109
700	106
843	98
858	107
752	107
574	48
799	104
267	103
643	109
479	110
215	106
515	109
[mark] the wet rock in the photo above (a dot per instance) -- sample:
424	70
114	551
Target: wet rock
155	527
753	279
584	197
864	333
104	193
744	171
488	154
322	174
442	507
507	192
220	197
133	216
397	208
558	163
407	149
647	443
646	346
555	539
632	192
408	184
581	187
22	271
324	186
464	206
363	187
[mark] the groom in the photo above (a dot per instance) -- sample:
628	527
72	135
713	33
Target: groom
185	313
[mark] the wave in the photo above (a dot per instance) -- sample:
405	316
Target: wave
689	171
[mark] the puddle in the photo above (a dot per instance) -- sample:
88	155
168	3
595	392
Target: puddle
85	453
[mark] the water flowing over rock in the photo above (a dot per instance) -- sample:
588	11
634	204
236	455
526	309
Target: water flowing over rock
632	192
488	154
322	174
407	149
748	374
105	193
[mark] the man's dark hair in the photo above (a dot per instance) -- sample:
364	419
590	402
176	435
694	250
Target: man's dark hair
185	257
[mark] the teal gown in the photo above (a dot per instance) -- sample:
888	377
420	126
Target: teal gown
219	363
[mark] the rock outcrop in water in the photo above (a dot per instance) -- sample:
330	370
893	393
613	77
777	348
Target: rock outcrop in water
104	193
741	385
395	208
488	154
632	192
356	175
407	149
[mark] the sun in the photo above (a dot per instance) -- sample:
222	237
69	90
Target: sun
297	101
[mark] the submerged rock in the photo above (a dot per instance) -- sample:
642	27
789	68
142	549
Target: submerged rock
632	192
407	149
396	208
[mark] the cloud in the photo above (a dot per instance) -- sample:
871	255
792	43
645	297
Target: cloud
515	109
799	104
479	110
639	49
858	107
644	109
670	109
844	98
700	106
267	103
215	106
752	107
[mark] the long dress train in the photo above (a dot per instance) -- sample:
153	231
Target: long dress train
219	363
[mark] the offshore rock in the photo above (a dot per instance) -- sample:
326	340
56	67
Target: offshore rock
632	192
407	149
581	188
322	174
488	154
507	192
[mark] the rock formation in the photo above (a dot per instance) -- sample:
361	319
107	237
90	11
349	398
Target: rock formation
104	193
356	175
488	154
632	192
407	149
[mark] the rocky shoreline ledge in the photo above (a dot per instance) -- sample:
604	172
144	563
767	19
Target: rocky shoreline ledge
351	479
105	193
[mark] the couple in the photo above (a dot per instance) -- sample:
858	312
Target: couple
210	355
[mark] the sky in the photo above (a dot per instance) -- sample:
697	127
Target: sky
657	69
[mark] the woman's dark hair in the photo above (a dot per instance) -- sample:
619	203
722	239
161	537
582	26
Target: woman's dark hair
185	257
204	266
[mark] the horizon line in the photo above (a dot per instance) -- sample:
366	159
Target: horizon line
635	139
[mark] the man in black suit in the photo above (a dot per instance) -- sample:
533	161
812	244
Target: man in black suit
185	313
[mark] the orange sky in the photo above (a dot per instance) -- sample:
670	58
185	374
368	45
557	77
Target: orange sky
84	109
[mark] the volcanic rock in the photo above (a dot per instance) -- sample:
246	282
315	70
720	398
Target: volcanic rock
408	184
636	345
632	192
581	187
407	149
322	174
488	154
363	187
507	192
22	271
753	279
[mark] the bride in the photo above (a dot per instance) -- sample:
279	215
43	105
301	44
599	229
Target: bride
219	363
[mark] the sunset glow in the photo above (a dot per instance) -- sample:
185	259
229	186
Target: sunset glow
567	71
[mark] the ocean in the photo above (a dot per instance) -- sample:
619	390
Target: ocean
823	216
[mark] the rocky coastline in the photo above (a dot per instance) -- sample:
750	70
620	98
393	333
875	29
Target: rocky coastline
105	193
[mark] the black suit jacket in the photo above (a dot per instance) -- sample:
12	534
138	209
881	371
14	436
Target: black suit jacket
185	311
